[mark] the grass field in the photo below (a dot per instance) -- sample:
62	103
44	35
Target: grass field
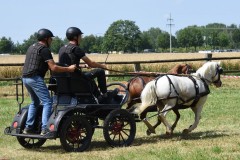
217	136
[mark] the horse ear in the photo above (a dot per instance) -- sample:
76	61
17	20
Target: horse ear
219	63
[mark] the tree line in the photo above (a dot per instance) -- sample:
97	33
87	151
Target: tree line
125	36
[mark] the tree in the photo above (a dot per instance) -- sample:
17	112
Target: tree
97	46
190	37
163	40
91	44
153	35
211	32
122	35
236	37
6	45
223	39
145	41
57	43
22	48
183	38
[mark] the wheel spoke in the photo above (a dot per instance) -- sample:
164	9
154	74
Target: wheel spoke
122	137
28	142
114	137
119	128
32	141
126	124
125	133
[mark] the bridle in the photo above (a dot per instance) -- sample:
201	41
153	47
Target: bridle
189	68
219	71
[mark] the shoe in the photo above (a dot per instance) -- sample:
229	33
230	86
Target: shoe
113	93
27	131
107	97
43	132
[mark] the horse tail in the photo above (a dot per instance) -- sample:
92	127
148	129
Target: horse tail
148	97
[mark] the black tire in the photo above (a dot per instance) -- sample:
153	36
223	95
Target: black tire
119	128
76	134
30	142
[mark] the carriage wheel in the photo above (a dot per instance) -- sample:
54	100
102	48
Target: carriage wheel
30	142
76	134
119	128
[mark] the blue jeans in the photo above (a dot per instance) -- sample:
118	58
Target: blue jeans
39	94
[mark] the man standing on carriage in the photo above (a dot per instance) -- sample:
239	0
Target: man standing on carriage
38	60
71	54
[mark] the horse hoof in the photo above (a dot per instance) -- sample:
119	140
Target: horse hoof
148	132
185	132
168	133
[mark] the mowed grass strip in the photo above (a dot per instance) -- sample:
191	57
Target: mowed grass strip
216	137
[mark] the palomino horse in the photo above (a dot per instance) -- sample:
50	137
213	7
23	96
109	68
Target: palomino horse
169	91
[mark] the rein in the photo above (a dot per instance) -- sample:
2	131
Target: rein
153	74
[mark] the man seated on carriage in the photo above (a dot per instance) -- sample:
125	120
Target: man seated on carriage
71	54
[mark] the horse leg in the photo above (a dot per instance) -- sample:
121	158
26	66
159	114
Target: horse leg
156	124
158	108
143	116
197	111
153	127
131	102
163	119
177	118
165	122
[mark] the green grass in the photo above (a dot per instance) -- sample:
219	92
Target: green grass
217	136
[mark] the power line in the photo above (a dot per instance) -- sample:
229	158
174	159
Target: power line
170	24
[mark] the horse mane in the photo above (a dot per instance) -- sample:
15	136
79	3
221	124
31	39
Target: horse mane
176	70
207	70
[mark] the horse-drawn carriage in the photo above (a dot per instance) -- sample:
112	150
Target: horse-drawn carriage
77	111
75	115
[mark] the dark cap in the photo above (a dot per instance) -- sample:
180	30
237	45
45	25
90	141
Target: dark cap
72	32
44	33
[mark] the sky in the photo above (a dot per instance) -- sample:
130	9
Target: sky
21	18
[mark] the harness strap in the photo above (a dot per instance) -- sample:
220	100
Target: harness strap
171	84
196	99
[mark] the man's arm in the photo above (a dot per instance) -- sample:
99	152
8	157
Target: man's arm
55	68
93	64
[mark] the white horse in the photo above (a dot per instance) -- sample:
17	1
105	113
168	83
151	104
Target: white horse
172	91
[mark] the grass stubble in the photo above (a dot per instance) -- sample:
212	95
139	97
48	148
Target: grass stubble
216	137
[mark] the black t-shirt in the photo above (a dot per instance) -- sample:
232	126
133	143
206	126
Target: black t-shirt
36	63
46	54
70	58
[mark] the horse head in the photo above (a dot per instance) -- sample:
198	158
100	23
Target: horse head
186	69
181	69
211	72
